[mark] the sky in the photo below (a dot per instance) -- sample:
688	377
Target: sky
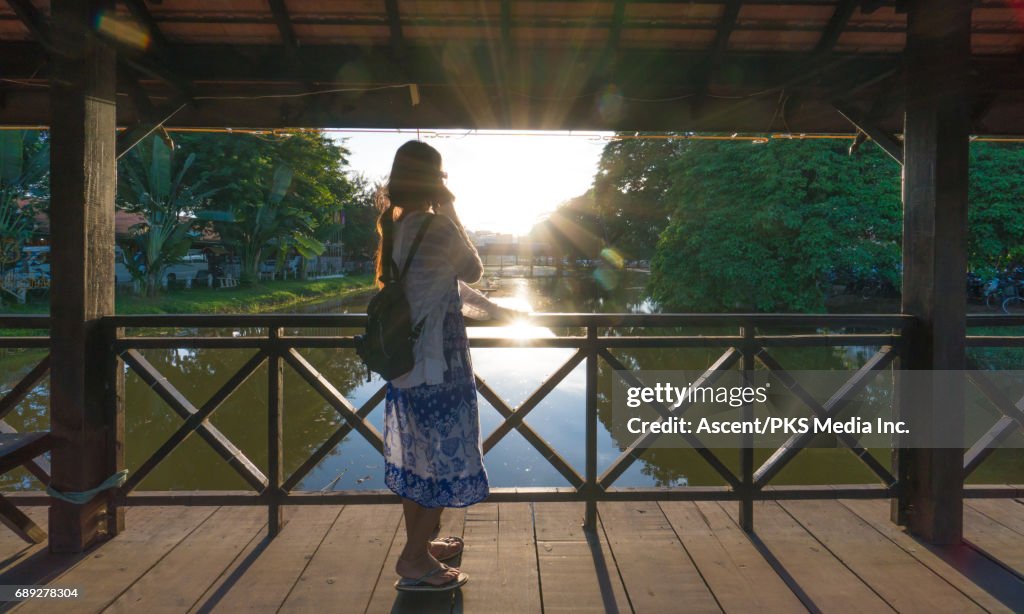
503	181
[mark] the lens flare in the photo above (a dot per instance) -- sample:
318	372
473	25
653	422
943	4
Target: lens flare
610	104
606	277
613	257
122	29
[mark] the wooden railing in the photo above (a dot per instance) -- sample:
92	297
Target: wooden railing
594	337
1012	418
32	337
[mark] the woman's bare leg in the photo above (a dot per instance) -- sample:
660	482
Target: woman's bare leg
415	560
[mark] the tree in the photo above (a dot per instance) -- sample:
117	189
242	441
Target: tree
996	211
24	165
359	236
761	226
154	185
630	191
258	210
272	224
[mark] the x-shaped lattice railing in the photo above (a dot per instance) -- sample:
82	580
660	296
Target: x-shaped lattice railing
38	467
645	441
515	418
830	409
196	420
1011	420
782	456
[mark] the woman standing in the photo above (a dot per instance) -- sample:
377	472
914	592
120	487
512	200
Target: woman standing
432	448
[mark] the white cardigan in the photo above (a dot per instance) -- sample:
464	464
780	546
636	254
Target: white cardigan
445	253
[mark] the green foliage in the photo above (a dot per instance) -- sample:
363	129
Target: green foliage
996	211
154	185
24	163
278	192
359	236
761	226
767	226
630	192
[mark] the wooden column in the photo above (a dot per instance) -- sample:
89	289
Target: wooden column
275	427
935	178
82	184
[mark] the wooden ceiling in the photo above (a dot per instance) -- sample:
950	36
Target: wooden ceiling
750	66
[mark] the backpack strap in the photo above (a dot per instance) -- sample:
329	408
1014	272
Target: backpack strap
415	246
387	230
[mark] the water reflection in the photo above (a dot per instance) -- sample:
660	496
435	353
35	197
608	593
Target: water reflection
513	373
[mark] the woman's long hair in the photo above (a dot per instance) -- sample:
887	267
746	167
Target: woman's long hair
416	183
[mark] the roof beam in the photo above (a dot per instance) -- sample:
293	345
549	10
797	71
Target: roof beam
149	119
836	25
34	21
40	29
506	25
149	66
284	24
730	13
640	73
141	14
395	25
603	63
618	19
883	139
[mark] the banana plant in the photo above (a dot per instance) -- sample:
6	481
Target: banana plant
153	185
24	164
254	228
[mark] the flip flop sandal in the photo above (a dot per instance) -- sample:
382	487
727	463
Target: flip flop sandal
420	585
450	540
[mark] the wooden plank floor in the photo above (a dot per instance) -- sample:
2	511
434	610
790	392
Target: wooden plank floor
816	555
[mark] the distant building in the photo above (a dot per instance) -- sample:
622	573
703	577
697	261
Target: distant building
481	238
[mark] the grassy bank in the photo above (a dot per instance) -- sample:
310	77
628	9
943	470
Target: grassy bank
264	297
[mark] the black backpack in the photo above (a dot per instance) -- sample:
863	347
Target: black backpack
387	345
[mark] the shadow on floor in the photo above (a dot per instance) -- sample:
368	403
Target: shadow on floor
40	568
988	572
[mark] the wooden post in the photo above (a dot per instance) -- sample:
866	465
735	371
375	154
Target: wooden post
275	451
590	513
115	421
746	511
935	179
82	184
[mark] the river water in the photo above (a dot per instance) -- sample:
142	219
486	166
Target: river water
512	372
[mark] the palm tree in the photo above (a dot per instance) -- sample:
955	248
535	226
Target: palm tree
151	186
252	228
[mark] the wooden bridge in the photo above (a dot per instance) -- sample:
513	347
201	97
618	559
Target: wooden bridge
819	555
919	78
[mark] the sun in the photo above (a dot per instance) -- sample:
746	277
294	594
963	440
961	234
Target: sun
508	182
519	328
503	181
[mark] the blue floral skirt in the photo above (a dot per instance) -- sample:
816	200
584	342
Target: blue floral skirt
432	449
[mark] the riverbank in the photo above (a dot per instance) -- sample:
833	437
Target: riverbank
261	298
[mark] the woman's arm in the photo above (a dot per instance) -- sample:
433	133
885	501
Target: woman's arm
478	307
461	252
